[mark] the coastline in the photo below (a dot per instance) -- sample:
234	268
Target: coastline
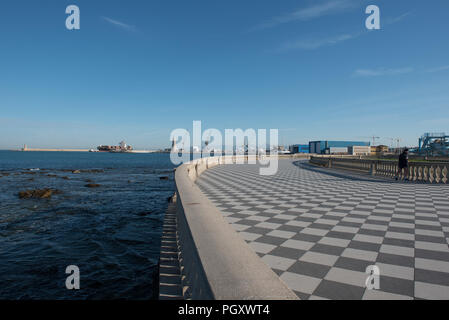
82	150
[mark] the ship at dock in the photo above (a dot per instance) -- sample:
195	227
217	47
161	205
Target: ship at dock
122	147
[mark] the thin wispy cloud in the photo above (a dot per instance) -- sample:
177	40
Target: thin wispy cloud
311	44
438	69
397	19
120	24
309	13
381	72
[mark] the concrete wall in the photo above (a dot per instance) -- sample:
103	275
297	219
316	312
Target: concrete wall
216	262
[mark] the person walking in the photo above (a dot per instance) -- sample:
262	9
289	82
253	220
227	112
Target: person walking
403	164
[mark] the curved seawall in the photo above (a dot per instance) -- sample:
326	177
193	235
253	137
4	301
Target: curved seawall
216	263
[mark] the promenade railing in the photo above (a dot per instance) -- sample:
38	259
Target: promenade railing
419	171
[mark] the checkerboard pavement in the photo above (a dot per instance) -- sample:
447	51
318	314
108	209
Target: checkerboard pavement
319	231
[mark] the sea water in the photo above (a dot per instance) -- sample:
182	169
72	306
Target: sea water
111	232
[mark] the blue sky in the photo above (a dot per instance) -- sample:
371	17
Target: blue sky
138	69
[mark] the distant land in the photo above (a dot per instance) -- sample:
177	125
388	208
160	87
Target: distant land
81	150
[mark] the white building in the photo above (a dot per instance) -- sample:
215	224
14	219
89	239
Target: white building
359	150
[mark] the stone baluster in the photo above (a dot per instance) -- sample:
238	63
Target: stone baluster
431	172
438	174
445	174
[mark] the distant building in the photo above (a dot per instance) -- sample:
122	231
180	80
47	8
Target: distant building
378	150
337	150
359	150
321	146
299	148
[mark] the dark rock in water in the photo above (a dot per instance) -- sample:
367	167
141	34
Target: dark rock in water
92	185
31	179
83	170
38	193
93	171
52	175
163	178
88	180
66	178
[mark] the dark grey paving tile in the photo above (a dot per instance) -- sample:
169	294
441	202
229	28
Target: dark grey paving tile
321	226
352	264
278	272
426	227
238	215
399	242
434	277
302	296
397	286
349	224
287	252
305	219
363	209
384	206
430	210
248	222
271	240
265	214
340	235
331	217
306	237
401	220
432	255
274	220
357	216
401	230
258	230
286	227
341	210
309	269
327	249
325	205
378	222
424	238
315	211
364	246
338	291
380	214
396	260
369	232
